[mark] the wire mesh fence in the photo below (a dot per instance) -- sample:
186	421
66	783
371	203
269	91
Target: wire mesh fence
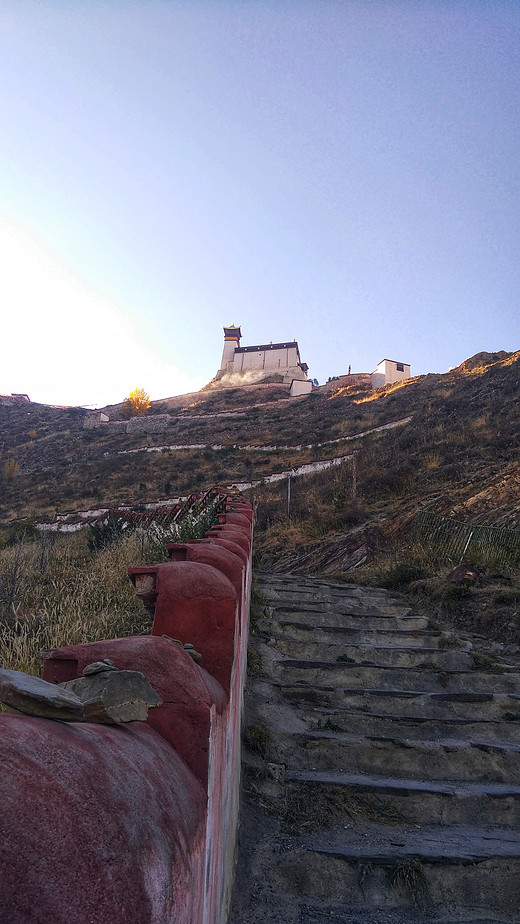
457	541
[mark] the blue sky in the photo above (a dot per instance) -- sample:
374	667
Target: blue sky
342	173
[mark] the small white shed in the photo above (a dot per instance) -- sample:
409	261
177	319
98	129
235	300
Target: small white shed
389	371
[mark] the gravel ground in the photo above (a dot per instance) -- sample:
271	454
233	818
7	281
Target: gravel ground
312	916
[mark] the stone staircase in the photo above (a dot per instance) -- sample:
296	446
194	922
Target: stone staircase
382	766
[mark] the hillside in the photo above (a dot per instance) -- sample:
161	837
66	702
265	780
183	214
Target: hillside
458	451
457	455
445	446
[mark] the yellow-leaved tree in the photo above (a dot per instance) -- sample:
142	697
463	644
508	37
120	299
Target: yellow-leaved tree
137	403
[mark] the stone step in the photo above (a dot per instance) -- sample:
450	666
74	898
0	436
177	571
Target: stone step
287	588
313	609
281	595
465	704
358	620
327	593
355	635
403	757
410	726
412	801
473	868
467	760
274	578
354	677
292	584
323	912
376	655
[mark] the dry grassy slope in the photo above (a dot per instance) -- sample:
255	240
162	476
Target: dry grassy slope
457	457
458	453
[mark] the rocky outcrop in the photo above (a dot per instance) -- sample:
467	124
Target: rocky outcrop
338	554
481	360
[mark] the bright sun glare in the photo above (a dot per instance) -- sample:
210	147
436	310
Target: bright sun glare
63	342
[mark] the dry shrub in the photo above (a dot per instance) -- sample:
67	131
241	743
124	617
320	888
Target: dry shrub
408	876
324	806
257	739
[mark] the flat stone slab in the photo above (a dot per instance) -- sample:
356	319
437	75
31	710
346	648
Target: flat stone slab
363	654
438	843
111	696
492	747
402	725
105	694
355	677
34	696
398	785
332	915
368	635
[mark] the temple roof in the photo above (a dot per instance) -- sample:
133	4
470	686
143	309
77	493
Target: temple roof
232	333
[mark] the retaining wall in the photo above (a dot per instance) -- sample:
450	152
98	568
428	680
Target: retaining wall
135	823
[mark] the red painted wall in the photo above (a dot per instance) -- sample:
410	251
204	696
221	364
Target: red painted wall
190	695
99	824
136	823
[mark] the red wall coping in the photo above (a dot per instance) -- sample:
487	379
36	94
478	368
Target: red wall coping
99	823
187	691
235	519
244	508
195	603
219	541
211	554
233	532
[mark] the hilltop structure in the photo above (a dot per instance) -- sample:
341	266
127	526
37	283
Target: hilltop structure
281	362
246	365
263	359
388	371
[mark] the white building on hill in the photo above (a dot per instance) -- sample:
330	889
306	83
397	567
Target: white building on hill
389	371
243	365
281	362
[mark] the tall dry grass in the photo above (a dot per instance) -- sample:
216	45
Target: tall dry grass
69	596
63	589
